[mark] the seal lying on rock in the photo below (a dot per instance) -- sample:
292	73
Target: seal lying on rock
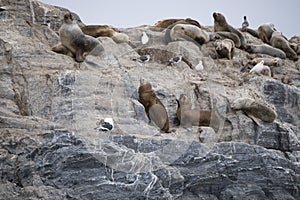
153	106
265	49
105	31
72	37
168	22
187	32
255	109
191	117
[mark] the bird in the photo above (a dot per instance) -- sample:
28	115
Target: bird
175	60
199	67
259	67
245	24
142	59
144	38
105	124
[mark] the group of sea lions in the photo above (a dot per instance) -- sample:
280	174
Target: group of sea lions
79	41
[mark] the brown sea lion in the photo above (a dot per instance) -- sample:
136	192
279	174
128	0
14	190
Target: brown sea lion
192	117
190	33
72	37
265	32
168	22
279	41
98	30
154	108
265	49
220	24
225	48
255	109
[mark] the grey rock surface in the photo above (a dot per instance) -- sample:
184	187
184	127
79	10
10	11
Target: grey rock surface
50	147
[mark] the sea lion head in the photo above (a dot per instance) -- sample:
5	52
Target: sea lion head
184	102
144	86
218	17
68	18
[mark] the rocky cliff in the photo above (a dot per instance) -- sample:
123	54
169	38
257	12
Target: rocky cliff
50	147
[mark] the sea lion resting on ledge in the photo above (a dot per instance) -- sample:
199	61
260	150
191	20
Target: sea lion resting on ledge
191	117
105	31
254	108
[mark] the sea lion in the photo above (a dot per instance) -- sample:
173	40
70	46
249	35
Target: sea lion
265	32
265	49
254	108
225	48
61	49
105	31
226	35
168	22
188	32
279	41
268	61
99	30
260	68
72	37
295	44
192	117
154	108
220	24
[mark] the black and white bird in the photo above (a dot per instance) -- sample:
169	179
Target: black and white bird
245	24
144	38
105	124
175	60
142	59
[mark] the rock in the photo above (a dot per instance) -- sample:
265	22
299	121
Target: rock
50	149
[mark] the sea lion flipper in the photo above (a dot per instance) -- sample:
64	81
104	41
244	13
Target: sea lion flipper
79	55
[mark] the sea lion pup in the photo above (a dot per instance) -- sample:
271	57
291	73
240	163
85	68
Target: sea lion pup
225	48
220	24
188	32
265	32
265	49
154	108
255	109
279	41
191	117
75	40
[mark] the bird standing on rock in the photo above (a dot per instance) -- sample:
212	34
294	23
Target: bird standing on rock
245	24
199	67
259	67
144	38
175	60
142	59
